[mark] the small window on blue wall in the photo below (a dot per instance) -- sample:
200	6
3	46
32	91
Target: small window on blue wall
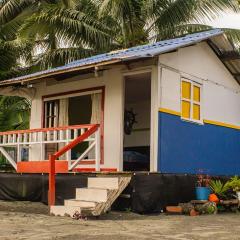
191	101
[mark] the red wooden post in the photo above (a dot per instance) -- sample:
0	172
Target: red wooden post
51	181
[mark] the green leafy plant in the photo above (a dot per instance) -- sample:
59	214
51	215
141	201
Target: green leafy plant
234	183
219	188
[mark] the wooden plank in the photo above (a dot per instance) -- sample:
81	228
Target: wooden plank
199	201
229	56
229	202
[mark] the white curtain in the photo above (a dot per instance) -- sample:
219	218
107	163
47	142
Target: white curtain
96	116
96	108
63	112
63	120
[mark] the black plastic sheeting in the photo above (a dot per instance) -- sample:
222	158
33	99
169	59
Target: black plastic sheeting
152	193
149	193
34	187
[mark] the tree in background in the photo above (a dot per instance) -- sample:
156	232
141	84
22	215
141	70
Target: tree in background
14	113
50	33
141	21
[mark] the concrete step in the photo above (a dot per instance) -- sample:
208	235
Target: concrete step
92	194
79	203
64	210
103	182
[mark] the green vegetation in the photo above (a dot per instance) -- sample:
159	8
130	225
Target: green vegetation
226	190
234	183
45	33
14	114
219	188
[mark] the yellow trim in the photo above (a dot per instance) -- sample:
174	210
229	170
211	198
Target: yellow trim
221	124
170	111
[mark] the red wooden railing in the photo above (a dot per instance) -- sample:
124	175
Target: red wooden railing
52	159
28	139
45	129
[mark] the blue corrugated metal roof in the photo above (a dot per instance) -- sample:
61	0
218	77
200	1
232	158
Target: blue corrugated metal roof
143	51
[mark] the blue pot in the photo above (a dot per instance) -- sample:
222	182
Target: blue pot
202	193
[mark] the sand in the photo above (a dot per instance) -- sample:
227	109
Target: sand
25	220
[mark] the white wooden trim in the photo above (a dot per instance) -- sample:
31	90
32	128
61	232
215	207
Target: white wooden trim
154	127
154	112
72	95
76	162
42	137
193	83
136	72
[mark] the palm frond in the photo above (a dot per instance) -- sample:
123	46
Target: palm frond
178	12
9	9
61	56
69	25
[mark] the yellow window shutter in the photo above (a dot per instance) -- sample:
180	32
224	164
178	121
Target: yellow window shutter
186	109
186	90
196	94
196	112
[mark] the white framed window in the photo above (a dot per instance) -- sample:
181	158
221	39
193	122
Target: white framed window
51	113
191	101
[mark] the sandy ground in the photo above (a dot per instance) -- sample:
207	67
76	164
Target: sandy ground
24	220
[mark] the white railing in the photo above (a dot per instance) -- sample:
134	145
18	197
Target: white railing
60	135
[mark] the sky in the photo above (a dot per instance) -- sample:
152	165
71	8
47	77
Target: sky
227	20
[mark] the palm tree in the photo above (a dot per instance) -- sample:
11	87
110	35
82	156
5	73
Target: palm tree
65	31
12	49
14	113
60	31
140	21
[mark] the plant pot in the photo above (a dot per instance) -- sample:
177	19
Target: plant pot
238	195
202	193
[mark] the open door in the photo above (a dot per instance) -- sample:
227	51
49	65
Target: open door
137	122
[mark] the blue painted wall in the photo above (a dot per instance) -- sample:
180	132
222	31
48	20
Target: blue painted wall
187	147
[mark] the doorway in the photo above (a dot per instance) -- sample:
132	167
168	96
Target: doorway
137	122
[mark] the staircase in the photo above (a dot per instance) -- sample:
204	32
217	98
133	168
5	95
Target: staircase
94	200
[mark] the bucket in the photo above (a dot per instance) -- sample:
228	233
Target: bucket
202	193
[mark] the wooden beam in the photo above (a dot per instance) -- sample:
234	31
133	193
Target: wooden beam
228	56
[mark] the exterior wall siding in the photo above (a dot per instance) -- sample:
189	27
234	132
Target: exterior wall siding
112	81
188	147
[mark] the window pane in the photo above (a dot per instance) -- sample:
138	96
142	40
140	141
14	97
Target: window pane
196	94
185	109
196	112
186	90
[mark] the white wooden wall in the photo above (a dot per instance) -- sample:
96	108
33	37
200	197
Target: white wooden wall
221	92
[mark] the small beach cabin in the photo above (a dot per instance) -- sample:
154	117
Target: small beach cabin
169	107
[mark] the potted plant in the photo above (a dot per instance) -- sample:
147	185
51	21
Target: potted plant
218	189
234	184
202	188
